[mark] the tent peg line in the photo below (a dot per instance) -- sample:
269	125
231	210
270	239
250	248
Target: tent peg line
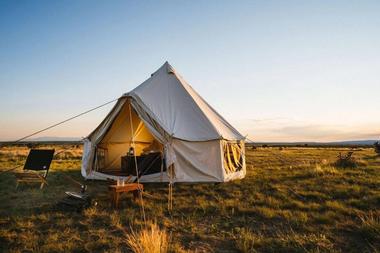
63	121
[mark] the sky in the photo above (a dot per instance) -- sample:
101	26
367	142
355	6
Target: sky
277	70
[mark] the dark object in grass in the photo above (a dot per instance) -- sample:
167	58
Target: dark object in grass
346	161
377	147
75	202
31	145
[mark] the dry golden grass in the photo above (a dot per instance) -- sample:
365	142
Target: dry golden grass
292	200
246	241
150	239
323	170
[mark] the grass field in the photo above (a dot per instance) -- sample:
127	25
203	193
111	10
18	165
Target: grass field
292	200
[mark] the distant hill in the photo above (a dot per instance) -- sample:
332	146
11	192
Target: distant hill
52	139
360	142
335	143
48	140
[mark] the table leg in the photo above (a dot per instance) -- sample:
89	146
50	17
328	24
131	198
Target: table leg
114	199
117	194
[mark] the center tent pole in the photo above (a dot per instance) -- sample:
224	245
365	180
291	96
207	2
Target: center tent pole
134	155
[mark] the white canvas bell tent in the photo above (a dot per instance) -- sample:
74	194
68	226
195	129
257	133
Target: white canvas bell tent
165	115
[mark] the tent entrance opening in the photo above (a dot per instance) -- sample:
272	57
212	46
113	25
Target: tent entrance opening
126	138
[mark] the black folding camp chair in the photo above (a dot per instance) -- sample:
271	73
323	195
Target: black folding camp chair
38	160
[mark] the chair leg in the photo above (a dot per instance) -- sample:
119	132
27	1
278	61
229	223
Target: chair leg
17	183
42	185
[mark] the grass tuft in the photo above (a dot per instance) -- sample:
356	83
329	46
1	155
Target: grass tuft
115	220
370	226
295	242
324	170
149	240
246	241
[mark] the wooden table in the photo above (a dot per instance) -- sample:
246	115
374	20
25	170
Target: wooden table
117	190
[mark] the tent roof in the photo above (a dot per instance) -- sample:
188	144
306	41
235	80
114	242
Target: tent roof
179	109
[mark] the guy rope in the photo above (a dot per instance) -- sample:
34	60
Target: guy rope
52	126
64	150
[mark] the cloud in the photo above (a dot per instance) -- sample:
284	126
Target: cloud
287	129
267	120
326	132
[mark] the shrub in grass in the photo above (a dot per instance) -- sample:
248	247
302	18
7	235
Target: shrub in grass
377	147
253	147
31	145
149	240
346	161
